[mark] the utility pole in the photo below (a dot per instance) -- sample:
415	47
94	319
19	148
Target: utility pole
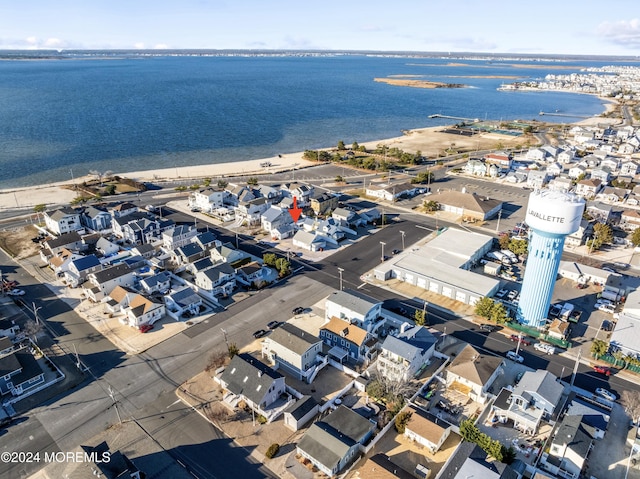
112	394
340	270
499	216
382	243
575	367
424	312
519	340
402	234
35	312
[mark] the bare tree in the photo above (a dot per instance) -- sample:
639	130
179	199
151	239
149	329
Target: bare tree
631	402
101	175
217	359
31	329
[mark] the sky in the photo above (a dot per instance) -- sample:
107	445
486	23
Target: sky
570	27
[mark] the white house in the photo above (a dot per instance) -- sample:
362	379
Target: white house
426	429
475	372
401	358
207	199
63	220
355	307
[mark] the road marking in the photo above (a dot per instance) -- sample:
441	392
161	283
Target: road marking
173	404
362	285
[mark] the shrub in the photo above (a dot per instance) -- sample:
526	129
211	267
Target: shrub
273	450
262	419
401	421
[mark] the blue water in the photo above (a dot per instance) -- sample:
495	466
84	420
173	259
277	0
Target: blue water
60	118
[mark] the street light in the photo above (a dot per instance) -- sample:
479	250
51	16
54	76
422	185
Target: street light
340	270
382	243
424	312
35	312
402	233
226	340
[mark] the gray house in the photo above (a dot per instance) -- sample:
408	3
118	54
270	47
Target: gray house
402	357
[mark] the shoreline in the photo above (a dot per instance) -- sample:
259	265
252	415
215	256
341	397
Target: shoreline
411	140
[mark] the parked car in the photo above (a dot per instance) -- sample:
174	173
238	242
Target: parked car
145	327
602	370
607	325
523	340
582	286
259	333
273	324
502	293
297	310
395	251
513	294
519	376
607	308
16	292
544	348
488	327
515	357
605	393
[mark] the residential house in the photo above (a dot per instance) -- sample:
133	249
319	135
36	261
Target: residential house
628	148
630	219
69	241
206	240
394	192
551	151
588	188
536	155
62	220
346	217
144	230
603	174
558	329
147	251
467	205
95	219
60	262
274	218
106	248
537	396
119	221
610	194
470	461
104	281
123	209
476	168
536	179
474	372
207	199
426	429
255	275
158	283
570	448
219	280
80	268
555	169
228	254
249	212
600	212
355	307
6	346
183	301
178	236
188	253
119	466
301	192
610	162
311	241
333	443
577	171
200	265
347	340
402	358
8	327
499	158
566	156
19	373
560	184
294	351
596	418
260	387
324	202
119	298
298	414
234	194
142	311
580	236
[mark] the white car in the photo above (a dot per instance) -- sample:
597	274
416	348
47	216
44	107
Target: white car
607	308
605	393
16	292
515	357
544	348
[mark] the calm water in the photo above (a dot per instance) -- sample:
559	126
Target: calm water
64	117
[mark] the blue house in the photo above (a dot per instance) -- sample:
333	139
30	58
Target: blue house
346	340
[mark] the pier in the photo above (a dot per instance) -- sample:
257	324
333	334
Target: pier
542	113
437	115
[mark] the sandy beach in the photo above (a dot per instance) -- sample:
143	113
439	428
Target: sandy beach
430	141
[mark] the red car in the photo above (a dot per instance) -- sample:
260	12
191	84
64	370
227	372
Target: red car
602	370
145	327
524	341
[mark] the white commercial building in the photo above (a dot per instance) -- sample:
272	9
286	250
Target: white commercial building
442	266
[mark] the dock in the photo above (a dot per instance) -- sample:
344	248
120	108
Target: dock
437	115
562	114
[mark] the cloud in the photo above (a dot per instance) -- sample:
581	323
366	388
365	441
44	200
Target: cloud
139	45
624	32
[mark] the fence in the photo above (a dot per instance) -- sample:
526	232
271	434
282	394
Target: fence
536	333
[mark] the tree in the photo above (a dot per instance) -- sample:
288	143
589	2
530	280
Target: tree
341	145
420	317
630	400
207	182
41	208
252	181
499	313
376	389
269	259
233	350
484	307
401	421
431	206
355	146
602	235
216	359
110	190
222	183
519	246
283	266
32	329
101	175
339	179
272	451
504	240
422	178
635	237
599	348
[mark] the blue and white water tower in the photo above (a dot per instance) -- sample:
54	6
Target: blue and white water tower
551	216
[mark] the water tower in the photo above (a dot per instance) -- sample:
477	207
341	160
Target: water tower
551	216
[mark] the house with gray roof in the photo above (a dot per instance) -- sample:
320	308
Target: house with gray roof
206	240
593	415
536	179
470	461
259	386
51	247
569	449
275	217
219	279
96	219
183	300
301	412
200	265
178	236
158	283
334	442
312	241
295	351
188	253
539	395
228	254
102	282
62	220
355	307
80	268
403	356
474	372
19	373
